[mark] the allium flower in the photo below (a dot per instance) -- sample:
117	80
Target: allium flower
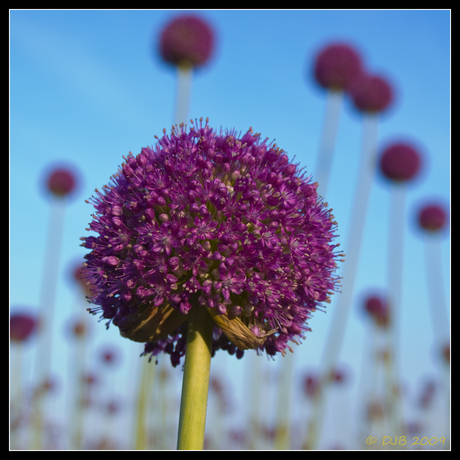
187	40
432	217
61	182
400	162
378	309
22	325
336	66
78	329
371	93
217	220
311	385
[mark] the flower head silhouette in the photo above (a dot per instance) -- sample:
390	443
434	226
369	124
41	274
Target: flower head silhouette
187	40
336	66
210	220
22	325
61	182
432	217
371	93
400	162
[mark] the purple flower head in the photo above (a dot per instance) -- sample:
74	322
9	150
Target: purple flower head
336	66
22	325
378	310
432	217
214	220
187	40
371	93
400	162
311	385
61	182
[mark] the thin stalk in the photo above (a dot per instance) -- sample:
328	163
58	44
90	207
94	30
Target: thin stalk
283	422
395	275
254	372
47	301
184	83
331	123
79	383
438	305
16	396
141	440
195	384
439	311
163	400
352	251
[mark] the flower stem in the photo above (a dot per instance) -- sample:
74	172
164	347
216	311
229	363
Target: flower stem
184	83
192	419
331	122
355	237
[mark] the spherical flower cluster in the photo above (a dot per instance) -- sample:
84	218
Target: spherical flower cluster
400	162
187	41
378	309
432	217
371	93
61	182
22	325
217	221
336	66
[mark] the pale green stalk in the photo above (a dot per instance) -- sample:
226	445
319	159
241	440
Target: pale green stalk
439	311
395	275
283	410
331	123
184	83
195	384
438	305
352	251
47	301
254	373
16	396
141	412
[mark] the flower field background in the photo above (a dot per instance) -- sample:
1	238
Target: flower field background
87	87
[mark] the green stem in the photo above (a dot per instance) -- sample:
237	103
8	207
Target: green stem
192	419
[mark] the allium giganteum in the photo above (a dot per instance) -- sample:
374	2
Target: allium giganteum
217	220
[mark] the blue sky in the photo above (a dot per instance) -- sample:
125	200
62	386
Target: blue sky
87	87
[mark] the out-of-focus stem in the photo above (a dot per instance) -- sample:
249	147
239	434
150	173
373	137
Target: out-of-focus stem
141	432
47	301
254	374
331	123
439	312
352	251
184	84
283	434
394	290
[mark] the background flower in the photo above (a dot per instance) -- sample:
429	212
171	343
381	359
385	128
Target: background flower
187	40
